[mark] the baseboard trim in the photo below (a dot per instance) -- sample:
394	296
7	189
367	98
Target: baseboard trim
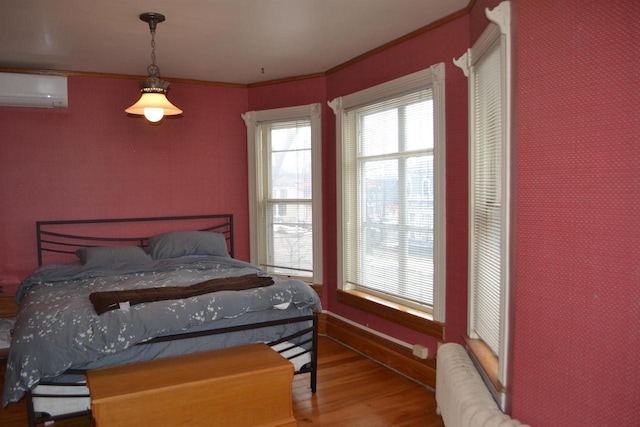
384	351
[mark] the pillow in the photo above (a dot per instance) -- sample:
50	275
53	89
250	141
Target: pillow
176	244
102	256
47	267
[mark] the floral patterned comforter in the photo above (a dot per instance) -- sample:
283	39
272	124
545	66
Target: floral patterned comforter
57	327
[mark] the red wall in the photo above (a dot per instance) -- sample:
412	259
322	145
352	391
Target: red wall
577	359
93	161
577	285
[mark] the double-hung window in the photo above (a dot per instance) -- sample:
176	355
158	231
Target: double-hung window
285	194
487	64
391	191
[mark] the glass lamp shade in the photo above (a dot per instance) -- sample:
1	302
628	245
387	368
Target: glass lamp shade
154	106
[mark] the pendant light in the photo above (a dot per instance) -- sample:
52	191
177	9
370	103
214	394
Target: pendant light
153	102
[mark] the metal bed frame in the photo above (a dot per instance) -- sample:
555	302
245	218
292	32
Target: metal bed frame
57	237
51	238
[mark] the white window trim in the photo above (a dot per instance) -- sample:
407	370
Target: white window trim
500	27
252	119
434	77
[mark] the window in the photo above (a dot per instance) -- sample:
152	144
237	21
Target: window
487	65
391	191
285	194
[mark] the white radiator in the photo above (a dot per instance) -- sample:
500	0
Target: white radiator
462	397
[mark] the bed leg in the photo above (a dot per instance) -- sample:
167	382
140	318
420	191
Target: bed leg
31	414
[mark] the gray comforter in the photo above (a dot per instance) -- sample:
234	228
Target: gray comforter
57	327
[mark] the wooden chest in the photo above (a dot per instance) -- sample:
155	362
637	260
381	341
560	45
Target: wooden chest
240	386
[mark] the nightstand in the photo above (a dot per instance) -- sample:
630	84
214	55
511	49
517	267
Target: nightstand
8	307
8	310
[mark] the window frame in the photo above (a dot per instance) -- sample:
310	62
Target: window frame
256	162
495	369
433	77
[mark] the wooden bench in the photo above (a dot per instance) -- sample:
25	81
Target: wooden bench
241	386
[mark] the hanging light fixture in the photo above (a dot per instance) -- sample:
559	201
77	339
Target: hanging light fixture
153	102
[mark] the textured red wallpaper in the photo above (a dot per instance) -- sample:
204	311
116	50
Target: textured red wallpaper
288	94
92	160
578	207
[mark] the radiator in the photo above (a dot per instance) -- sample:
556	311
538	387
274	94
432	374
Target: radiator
462	397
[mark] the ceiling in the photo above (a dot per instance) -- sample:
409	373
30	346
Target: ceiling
228	41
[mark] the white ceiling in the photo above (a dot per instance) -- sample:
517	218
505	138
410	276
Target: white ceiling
228	41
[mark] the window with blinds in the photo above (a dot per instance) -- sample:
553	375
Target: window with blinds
389	193
285	210
285	193
486	195
487	65
392	188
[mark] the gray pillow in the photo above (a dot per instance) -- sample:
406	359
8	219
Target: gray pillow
103	256
182	243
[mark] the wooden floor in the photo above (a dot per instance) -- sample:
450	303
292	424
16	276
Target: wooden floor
352	391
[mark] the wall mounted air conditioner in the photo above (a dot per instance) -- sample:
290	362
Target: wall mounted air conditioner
33	90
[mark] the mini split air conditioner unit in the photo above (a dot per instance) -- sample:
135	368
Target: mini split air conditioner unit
33	90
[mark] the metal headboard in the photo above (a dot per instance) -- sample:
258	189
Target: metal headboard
59	236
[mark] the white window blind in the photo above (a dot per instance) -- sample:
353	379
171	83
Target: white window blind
488	66
285	190
487	198
389	191
285	211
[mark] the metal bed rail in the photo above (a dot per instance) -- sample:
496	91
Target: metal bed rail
52	237
309	335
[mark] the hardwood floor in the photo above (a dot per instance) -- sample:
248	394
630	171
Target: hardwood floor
352	391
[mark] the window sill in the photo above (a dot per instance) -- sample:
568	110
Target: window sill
405	316
487	360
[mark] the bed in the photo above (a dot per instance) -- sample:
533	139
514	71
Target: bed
115	291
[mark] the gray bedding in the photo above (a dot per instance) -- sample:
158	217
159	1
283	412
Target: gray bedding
57	327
